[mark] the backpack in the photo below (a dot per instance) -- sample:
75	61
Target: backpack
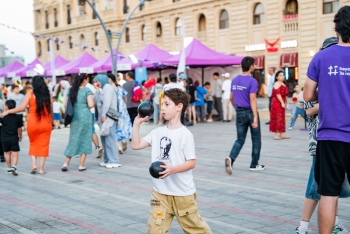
136	93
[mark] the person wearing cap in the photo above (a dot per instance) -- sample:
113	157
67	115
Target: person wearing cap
311	195
328	83
243	98
182	79
217	95
227	108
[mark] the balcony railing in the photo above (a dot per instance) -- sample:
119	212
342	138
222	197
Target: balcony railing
290	16
291	26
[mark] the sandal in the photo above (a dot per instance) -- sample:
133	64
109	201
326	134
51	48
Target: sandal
277	138
33	171
42	172
124	145
64	167
285	137
82	168
120	151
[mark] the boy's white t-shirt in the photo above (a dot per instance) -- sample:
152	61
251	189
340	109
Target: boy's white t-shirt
174	147
226	87
56	107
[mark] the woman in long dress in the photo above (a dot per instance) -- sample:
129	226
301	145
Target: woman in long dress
278	107
80	133
40	121
124	127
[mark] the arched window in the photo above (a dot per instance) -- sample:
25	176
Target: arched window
48	44
224	20
57	44
159	30
202	23
70	42
259	15
127	35
96	38
330	6
39	48
291	7
82	41
143	32
178	26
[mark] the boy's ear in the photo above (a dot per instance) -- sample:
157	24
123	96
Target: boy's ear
180	106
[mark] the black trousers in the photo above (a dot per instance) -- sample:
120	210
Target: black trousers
1	149
132	113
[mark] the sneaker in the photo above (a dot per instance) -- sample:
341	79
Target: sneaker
99	152
113	165
228	165
338	228
82	168
103	164
290	128
267	123
14	171
210	120
257	168
9	170
300	230
64	167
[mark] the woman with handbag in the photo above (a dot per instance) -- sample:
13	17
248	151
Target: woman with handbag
108	115
80	133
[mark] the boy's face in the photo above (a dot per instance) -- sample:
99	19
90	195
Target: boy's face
207	86
216	77
297	89
16	90
169	109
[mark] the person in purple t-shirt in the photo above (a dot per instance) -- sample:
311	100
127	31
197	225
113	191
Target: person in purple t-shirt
243	98
329	71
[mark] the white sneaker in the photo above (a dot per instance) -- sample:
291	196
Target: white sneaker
103	164
257	168
290	128
210	120
99	152
113	165
228	166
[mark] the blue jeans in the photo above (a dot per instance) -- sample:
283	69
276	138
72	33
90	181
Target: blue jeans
244	120
311	189
110	153
156	113
296	111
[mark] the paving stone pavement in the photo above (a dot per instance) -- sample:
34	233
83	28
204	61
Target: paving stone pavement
101	200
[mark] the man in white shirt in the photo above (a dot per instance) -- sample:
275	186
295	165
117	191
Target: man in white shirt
121	80
173	84
94	135
271	81
217	95
226	102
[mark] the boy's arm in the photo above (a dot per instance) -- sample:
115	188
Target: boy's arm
136	143
253	104
169	170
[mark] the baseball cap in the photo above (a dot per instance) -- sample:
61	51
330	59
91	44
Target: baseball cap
227	75
183	76
329	42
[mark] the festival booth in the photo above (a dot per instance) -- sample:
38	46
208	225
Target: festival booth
81	64
8	71
105	64
27	71
59	62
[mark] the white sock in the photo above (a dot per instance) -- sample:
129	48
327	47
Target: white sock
304	224
336	220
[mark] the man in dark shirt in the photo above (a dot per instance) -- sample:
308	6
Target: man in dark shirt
11	134
130	105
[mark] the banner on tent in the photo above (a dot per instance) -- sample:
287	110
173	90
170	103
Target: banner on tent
87	70
60	73
141	74
11	74
31	73
124	67
2	80
14	78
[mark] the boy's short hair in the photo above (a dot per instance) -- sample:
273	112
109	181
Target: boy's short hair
246	63
207	83
178	96
342	23
14	86
11	104
216	74
172	77
131	74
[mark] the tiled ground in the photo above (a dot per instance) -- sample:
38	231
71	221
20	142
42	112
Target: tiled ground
117	201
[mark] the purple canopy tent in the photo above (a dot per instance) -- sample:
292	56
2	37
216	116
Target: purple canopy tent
59	62
99	66
7	71
197	54
81	64
152	53
28	71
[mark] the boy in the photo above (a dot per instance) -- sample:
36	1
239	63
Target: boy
174	194
11	134
2	157
299	106
18	98
56	107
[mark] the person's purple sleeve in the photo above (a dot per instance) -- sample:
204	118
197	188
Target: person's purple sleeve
253	87
313	70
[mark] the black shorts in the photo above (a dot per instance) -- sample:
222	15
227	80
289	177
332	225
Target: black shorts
10	145
21	117
332	162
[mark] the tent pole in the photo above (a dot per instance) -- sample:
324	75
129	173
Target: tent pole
160	73
202	76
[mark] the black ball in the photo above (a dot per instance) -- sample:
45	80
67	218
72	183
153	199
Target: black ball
155	168
145	109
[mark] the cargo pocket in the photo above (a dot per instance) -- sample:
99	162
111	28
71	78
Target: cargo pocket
189	217
159	216
156	222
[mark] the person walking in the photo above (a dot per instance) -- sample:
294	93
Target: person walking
106	99
227	108
124	127
218	95
278	107
271	82
40	122
80	133
243	98
209	101
299	106
18	98
156	100
328	83
129	87
2	153
192	106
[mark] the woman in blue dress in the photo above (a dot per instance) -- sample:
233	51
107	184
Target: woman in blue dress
124	124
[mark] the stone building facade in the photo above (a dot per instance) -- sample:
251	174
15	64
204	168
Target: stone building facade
280	33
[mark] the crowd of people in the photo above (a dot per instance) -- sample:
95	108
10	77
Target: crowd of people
180	101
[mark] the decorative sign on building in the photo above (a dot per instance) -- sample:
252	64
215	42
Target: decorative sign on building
255	47
289	44
272	46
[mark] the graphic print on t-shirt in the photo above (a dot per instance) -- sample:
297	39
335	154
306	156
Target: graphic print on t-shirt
165	145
